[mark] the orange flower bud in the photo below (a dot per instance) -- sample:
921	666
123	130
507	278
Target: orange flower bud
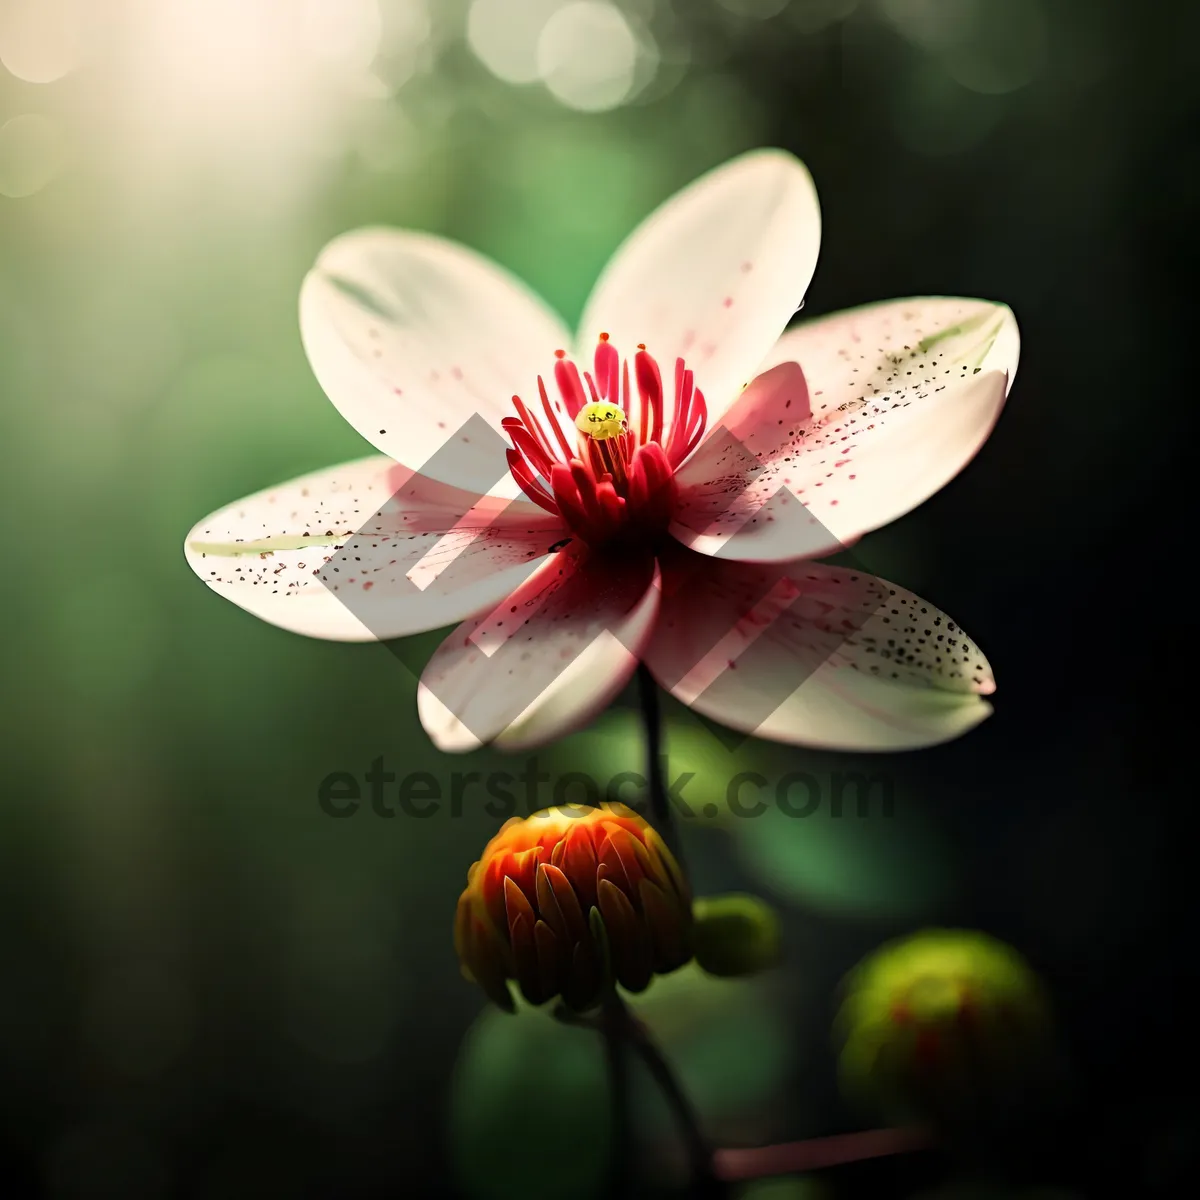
569	900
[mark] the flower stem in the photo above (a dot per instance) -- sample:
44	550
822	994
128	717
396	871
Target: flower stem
660	807
706	1184
621	1173
815	1154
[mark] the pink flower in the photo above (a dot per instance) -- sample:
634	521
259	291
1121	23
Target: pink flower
648	505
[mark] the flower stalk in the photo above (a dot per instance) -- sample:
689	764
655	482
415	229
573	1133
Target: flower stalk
621	1179
704	1182
660	806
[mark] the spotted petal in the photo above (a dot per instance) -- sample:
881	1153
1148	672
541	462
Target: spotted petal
368	550
411	336
891	403
716	273
816	656
546	660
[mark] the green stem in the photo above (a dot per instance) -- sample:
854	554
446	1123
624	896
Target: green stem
706	1184
621	1172
660	807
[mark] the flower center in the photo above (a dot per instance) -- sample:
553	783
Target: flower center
613	479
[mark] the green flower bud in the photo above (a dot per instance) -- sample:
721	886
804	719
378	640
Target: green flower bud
735	935
941	1023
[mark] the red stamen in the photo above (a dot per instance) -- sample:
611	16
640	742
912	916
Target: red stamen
534	454
529	485
611	488
570	387
699	421
643	428
566	494
608	365
679	418
592	388
562	441
585	487
532	425
595	461
649	382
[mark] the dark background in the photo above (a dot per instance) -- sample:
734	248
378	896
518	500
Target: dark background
210	987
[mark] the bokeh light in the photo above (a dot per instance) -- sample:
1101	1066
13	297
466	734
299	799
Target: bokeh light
504	36
932	23
41	40
986	47
811	16
587	54
591	55
758	10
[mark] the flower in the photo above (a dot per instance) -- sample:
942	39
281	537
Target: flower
583	504
932	1019
567	901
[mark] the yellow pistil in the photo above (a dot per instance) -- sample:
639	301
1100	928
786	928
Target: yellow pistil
600	421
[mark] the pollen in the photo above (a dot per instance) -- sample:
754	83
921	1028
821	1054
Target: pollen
600	421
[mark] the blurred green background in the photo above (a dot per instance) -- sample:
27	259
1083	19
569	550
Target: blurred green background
210	987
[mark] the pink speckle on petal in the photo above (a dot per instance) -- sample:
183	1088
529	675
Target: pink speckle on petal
747	267
456	372
728	302
398	391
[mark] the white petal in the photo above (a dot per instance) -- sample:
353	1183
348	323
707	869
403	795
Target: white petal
411	336
715	274
547	660
368	550
816	656
894	401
